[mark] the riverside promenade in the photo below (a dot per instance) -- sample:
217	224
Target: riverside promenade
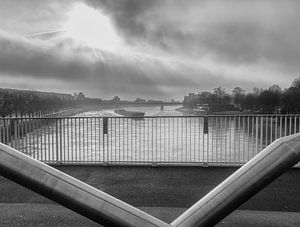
164	192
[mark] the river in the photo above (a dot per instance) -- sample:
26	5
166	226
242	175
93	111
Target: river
163	136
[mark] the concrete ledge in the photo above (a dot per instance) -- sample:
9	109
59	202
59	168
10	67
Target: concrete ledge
14	214
165	186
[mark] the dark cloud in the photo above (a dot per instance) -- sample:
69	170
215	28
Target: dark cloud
127	14
174	46
91	68
24	57
234	32
30	16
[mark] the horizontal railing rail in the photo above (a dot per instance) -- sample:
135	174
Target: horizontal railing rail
152	140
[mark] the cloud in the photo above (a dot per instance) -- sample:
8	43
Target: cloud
104	72
233	32
31	16
38	59
172	47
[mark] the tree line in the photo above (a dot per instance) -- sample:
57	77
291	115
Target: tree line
270	100
15	103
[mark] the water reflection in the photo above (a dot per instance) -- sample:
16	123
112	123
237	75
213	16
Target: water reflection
181	139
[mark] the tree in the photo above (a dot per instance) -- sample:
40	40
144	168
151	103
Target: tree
238	91
6	104
250	102
275	88
221	95
269	101
257	91
238	95
290	100
296	83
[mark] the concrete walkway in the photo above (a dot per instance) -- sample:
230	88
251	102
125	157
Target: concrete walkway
164	192
54	215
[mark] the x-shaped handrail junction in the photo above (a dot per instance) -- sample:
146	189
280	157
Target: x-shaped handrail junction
104	209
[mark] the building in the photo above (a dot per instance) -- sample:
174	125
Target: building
116	99
79	97
139	100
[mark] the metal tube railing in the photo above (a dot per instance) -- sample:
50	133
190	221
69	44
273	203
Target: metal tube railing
70	192
230	140
243	184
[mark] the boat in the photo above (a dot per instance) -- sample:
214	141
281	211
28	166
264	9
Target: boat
202	109
128	113
199	111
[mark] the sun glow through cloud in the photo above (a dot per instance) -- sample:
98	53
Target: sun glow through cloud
91	27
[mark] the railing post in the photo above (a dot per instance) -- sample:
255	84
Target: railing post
15	137
61	150
105	132
1	126
205	125
56	140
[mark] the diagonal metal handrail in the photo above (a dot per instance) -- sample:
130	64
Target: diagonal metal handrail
70	192
265	167
104	209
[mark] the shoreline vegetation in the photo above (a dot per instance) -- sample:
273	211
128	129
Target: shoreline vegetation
273	100
191	111
24	103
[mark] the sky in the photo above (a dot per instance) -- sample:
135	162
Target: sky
148	48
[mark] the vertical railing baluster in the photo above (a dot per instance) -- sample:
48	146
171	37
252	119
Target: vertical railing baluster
271	130
42	133
1	128
290	125
295	119
256	132
276	127
252	137
285	126
248	138
15	136
261	133
56	140
47	140
207	140
60	142
266	140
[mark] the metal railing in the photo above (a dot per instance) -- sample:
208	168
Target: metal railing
105	209
178	140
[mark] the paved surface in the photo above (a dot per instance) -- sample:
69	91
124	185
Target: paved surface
54	215
173	187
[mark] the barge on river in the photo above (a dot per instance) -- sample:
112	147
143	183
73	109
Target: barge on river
127	113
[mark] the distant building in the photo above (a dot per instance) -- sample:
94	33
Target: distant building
116	99
139	100
79	97
190	98
201	97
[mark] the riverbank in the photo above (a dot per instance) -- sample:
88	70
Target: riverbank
189	111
